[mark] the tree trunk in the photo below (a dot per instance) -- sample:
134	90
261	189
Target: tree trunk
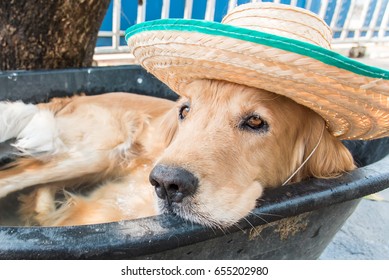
49	34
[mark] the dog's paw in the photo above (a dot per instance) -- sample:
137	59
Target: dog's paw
39	136
14	116
35	130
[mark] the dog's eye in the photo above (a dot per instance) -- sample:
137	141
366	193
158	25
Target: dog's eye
253	122
184	111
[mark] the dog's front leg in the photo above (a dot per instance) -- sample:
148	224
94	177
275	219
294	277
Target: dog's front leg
27	172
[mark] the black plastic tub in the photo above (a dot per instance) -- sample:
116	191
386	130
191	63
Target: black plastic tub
291	222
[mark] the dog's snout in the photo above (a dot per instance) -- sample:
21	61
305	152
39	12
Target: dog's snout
173	183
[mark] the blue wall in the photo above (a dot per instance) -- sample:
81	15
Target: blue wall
130	10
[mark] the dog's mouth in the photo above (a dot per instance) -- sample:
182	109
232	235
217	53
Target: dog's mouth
168	208
193	211
189	212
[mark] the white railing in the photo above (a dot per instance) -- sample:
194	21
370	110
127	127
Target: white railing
352	21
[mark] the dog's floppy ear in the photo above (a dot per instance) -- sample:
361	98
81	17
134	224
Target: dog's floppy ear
331	157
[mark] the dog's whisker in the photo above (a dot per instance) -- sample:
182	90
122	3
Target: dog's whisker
269	214
259	217
252	226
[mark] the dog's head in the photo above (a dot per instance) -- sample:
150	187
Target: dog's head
231	142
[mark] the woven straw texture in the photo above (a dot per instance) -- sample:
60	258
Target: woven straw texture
288	21
354	106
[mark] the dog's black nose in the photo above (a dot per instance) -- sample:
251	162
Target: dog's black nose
173	183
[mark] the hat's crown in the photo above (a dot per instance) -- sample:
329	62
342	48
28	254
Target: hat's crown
282	20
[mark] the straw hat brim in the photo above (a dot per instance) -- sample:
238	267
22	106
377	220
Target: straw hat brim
352	97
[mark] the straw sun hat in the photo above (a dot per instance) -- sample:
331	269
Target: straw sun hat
279	48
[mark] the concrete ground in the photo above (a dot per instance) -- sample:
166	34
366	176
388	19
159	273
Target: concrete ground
365	235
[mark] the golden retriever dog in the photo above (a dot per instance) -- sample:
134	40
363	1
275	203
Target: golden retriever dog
206	158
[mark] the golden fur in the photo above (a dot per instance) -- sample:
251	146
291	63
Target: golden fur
123	136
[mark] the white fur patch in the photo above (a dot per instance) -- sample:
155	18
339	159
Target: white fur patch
14	117
40	135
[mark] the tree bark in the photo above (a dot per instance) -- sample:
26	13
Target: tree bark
49	34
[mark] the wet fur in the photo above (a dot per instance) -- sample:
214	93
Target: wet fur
112	141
